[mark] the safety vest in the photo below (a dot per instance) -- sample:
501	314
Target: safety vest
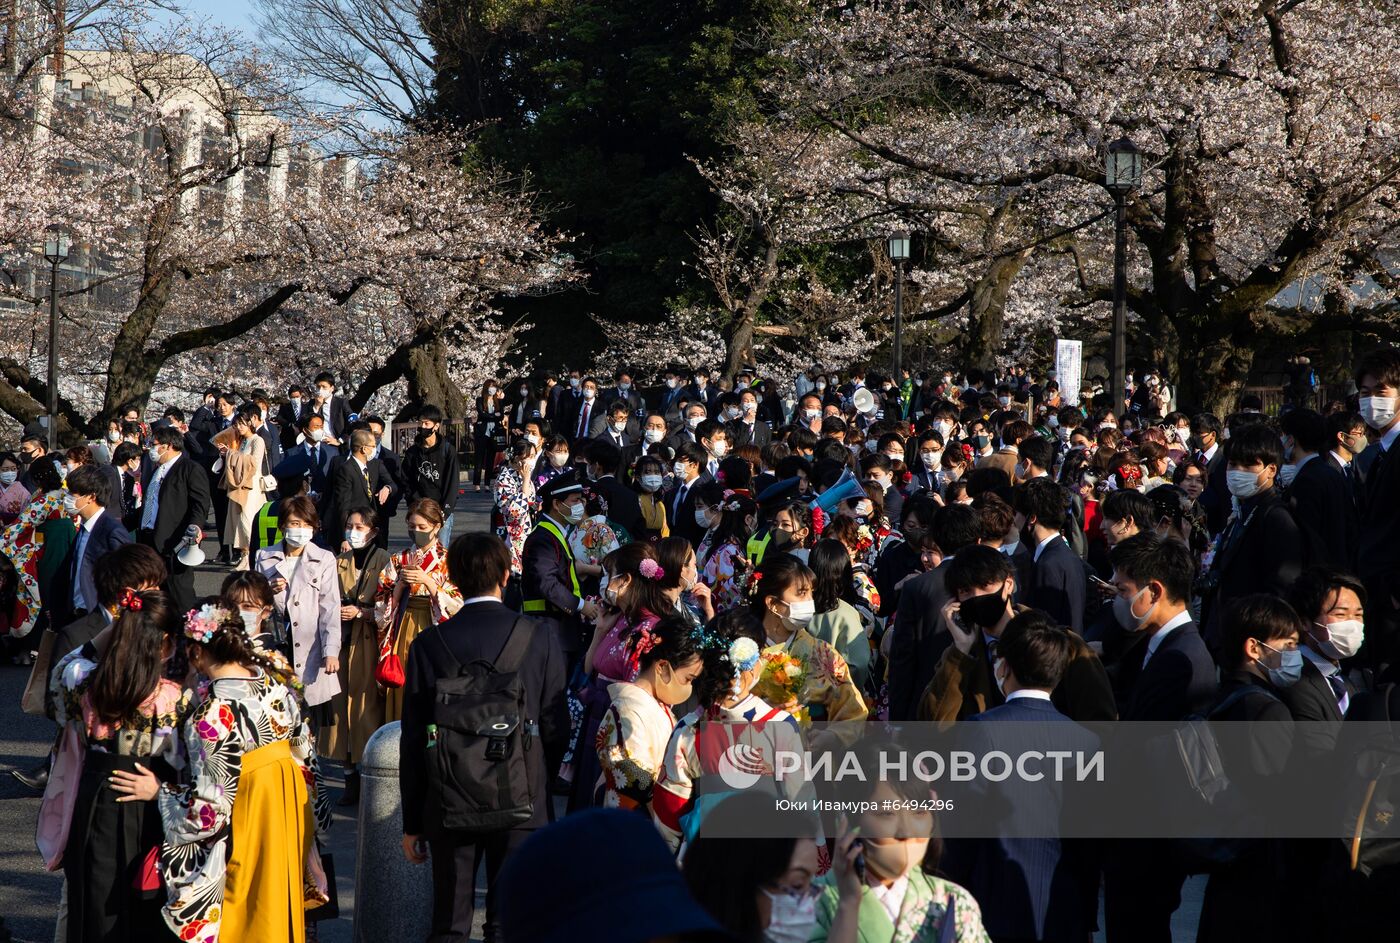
540	605
268	532
758	545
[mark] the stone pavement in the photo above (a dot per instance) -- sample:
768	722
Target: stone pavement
29	895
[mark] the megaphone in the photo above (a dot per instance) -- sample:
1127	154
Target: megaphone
846	487
864	401
189	553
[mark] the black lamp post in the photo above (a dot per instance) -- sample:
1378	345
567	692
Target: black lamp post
1122	176
56	251
899	252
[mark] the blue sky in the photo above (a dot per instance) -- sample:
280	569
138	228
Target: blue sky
235	14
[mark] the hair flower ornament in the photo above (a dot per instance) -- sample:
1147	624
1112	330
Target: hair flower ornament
651	570
130	600
202	624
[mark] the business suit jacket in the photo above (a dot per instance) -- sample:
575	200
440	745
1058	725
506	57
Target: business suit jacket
74	635
623	506
107	535
923	479
632	398
1058	581
757	434
597	420
114	485
918	640
478	632
1323	508
1313	702
183	500
680	438
683	515
1041	888
393	467
1215	499
1178	681
599	428
321	469
1266	557
351	490
287	421
273	451
709	397
1375	483
339	416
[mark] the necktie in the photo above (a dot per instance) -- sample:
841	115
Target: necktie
680	502
1339	691
78	601
148	517
582	421
315	457
296	409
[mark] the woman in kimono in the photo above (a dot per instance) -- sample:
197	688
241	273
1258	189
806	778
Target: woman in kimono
782	598
306	601
129	717
239	860
514	491
414	591
13	495
37	544
632	738
723	564
243	454
359	707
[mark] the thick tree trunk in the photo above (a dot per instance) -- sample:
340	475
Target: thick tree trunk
738	343
429	380
987	308
1213	363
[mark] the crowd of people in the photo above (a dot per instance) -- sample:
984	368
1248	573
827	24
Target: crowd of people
805	566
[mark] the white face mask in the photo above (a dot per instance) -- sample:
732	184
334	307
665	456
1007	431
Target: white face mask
356	538
8	478
732	412
702	518
944	427
811	415
620	427
1287	473
70	505
694	421
1345	638
1242	484
1378	411
791	919
318	435
678	470
651	483
719	449
252	622
576	512
154	453
800	613
532	438
589	393
297	536
931	460
750	406
573	382
895	456
558	459
864	508
114	436
654	435
671	383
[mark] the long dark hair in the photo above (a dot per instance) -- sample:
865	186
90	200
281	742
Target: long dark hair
731	528
643	596
725	873
671	553
230	644
833	578
716	679
775	577
131	669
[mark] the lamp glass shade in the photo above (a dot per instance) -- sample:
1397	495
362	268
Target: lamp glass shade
899	246
56	243
1123	166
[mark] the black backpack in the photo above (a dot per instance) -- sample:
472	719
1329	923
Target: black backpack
479	741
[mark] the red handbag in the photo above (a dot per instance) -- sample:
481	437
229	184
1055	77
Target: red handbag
388	672
148	873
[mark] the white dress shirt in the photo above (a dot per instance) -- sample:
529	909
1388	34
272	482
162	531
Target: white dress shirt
1175	622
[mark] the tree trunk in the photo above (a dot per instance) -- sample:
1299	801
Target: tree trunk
738	343
429	380
988	308
1213	362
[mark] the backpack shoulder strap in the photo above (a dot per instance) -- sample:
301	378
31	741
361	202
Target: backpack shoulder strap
1237	695
517	643
451	658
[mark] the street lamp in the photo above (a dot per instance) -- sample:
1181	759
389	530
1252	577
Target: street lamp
1122	176
899	252
56	251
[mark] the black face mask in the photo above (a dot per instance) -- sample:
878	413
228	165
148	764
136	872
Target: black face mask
983	611
779	539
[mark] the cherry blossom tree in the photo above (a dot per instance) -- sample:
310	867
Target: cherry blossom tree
1267	218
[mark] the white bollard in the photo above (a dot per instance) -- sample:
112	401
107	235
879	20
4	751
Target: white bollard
393	898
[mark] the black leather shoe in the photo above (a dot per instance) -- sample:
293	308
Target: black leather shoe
37	778
351	795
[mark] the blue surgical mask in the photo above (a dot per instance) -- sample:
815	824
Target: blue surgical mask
1289	670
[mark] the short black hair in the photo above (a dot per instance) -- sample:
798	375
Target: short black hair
987	478
955	528
1038	451
169	435
1307	427
125	452
89	480
1383	364
1145	558
694	453
974	567
1201	423
1035	649
1126	504
325	377
430	412
1258	616
126	567
1043	500
604	454
174	414
1315	585
1255	443
1341	422
477	563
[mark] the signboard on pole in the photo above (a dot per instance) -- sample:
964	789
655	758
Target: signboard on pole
1069	369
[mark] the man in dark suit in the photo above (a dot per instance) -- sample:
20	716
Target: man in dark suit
919	637
126	461
585	417
1331	603
483	630
680	500
1319	496
203	421
748	429
1375	483
99	533
693	415
289	416
617	426
604	459
393	467
1058	575
1346	439
321	458
1166	675
1030	888
623	390
333	409
175	509
564	402
1215	500
701	391
1262	549
358	482
272	447
672	392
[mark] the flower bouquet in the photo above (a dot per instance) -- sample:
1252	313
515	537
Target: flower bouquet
782	680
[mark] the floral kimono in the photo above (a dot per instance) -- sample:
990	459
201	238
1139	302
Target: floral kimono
923	910
631	745
724	572
516	498
23	544
236	717
829	694
405	614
